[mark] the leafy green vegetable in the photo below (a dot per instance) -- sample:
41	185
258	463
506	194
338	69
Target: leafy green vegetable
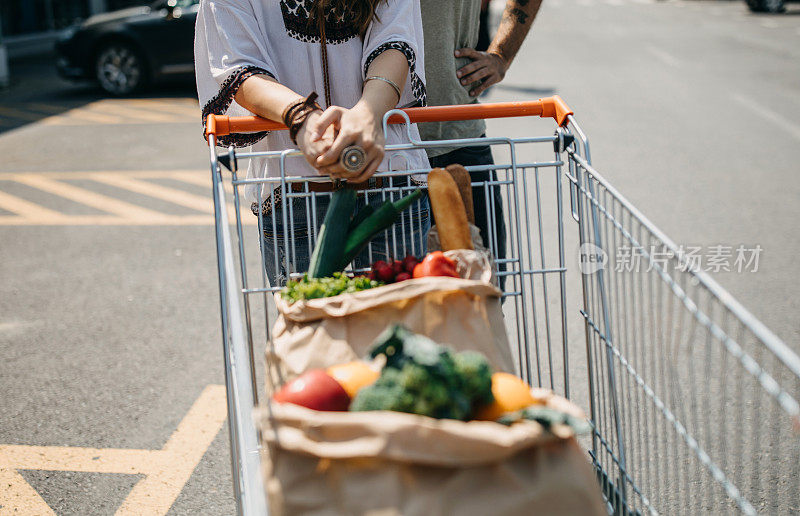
307	288
476	373
380	220
332	234
422	377
547	417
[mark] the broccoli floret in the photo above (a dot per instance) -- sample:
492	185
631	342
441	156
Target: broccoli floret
387	393
413	389
474	370
422	377
376	397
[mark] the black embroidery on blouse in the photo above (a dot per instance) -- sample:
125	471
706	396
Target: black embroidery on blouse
417	86
222	101
339	26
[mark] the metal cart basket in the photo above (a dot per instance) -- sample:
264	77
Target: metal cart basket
693	402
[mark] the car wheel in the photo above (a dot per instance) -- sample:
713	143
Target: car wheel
120	70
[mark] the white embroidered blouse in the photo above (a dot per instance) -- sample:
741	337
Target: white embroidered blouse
236	39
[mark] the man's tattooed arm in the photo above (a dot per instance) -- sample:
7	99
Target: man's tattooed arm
517	20
488	68
520	15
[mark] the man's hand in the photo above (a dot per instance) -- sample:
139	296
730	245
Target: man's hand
488	67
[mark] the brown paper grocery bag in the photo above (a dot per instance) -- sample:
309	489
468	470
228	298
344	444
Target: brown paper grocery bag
388	463
463	313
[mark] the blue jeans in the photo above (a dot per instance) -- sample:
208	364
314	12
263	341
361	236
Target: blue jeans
286	252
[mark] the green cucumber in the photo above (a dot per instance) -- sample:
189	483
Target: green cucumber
332	234
382	219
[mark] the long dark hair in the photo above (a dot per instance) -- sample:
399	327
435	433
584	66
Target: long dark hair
358	12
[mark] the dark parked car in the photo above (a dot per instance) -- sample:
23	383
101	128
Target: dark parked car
125	50
766	6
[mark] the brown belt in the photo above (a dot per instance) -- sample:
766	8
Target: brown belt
314	186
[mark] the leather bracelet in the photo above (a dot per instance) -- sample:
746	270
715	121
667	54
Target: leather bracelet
296	113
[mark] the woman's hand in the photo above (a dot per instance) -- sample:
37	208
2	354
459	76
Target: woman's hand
360	125
308	142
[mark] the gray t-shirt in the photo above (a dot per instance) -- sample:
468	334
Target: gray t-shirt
447	26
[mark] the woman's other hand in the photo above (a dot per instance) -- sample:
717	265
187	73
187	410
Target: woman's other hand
360	126
312	146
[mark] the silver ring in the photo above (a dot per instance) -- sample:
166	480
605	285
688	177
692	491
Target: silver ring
353	158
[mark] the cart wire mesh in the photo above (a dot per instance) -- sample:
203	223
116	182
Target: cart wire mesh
692	401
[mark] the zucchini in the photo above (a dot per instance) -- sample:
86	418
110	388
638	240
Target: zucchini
332	234
379	221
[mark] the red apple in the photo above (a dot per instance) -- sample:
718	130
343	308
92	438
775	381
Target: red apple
316	390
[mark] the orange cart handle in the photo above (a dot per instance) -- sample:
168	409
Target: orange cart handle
548	107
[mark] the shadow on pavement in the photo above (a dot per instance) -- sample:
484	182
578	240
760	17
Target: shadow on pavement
525	89
37	92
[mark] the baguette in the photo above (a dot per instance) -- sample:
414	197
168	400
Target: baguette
448	210
464	183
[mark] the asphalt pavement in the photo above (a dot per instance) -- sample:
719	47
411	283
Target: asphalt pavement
109	314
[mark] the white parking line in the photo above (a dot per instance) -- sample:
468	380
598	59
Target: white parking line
769	24
664	57
764	112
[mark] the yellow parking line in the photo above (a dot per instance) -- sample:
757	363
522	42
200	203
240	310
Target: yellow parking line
168	105
89	198
166	470
156	493
173	195
85	460
110	220
203	180
179	197
10	176
106	107
24	208
16	493
119	212
87	116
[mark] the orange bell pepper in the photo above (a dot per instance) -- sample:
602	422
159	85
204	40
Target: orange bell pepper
436	264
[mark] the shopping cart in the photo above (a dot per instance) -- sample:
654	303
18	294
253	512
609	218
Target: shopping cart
693	402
